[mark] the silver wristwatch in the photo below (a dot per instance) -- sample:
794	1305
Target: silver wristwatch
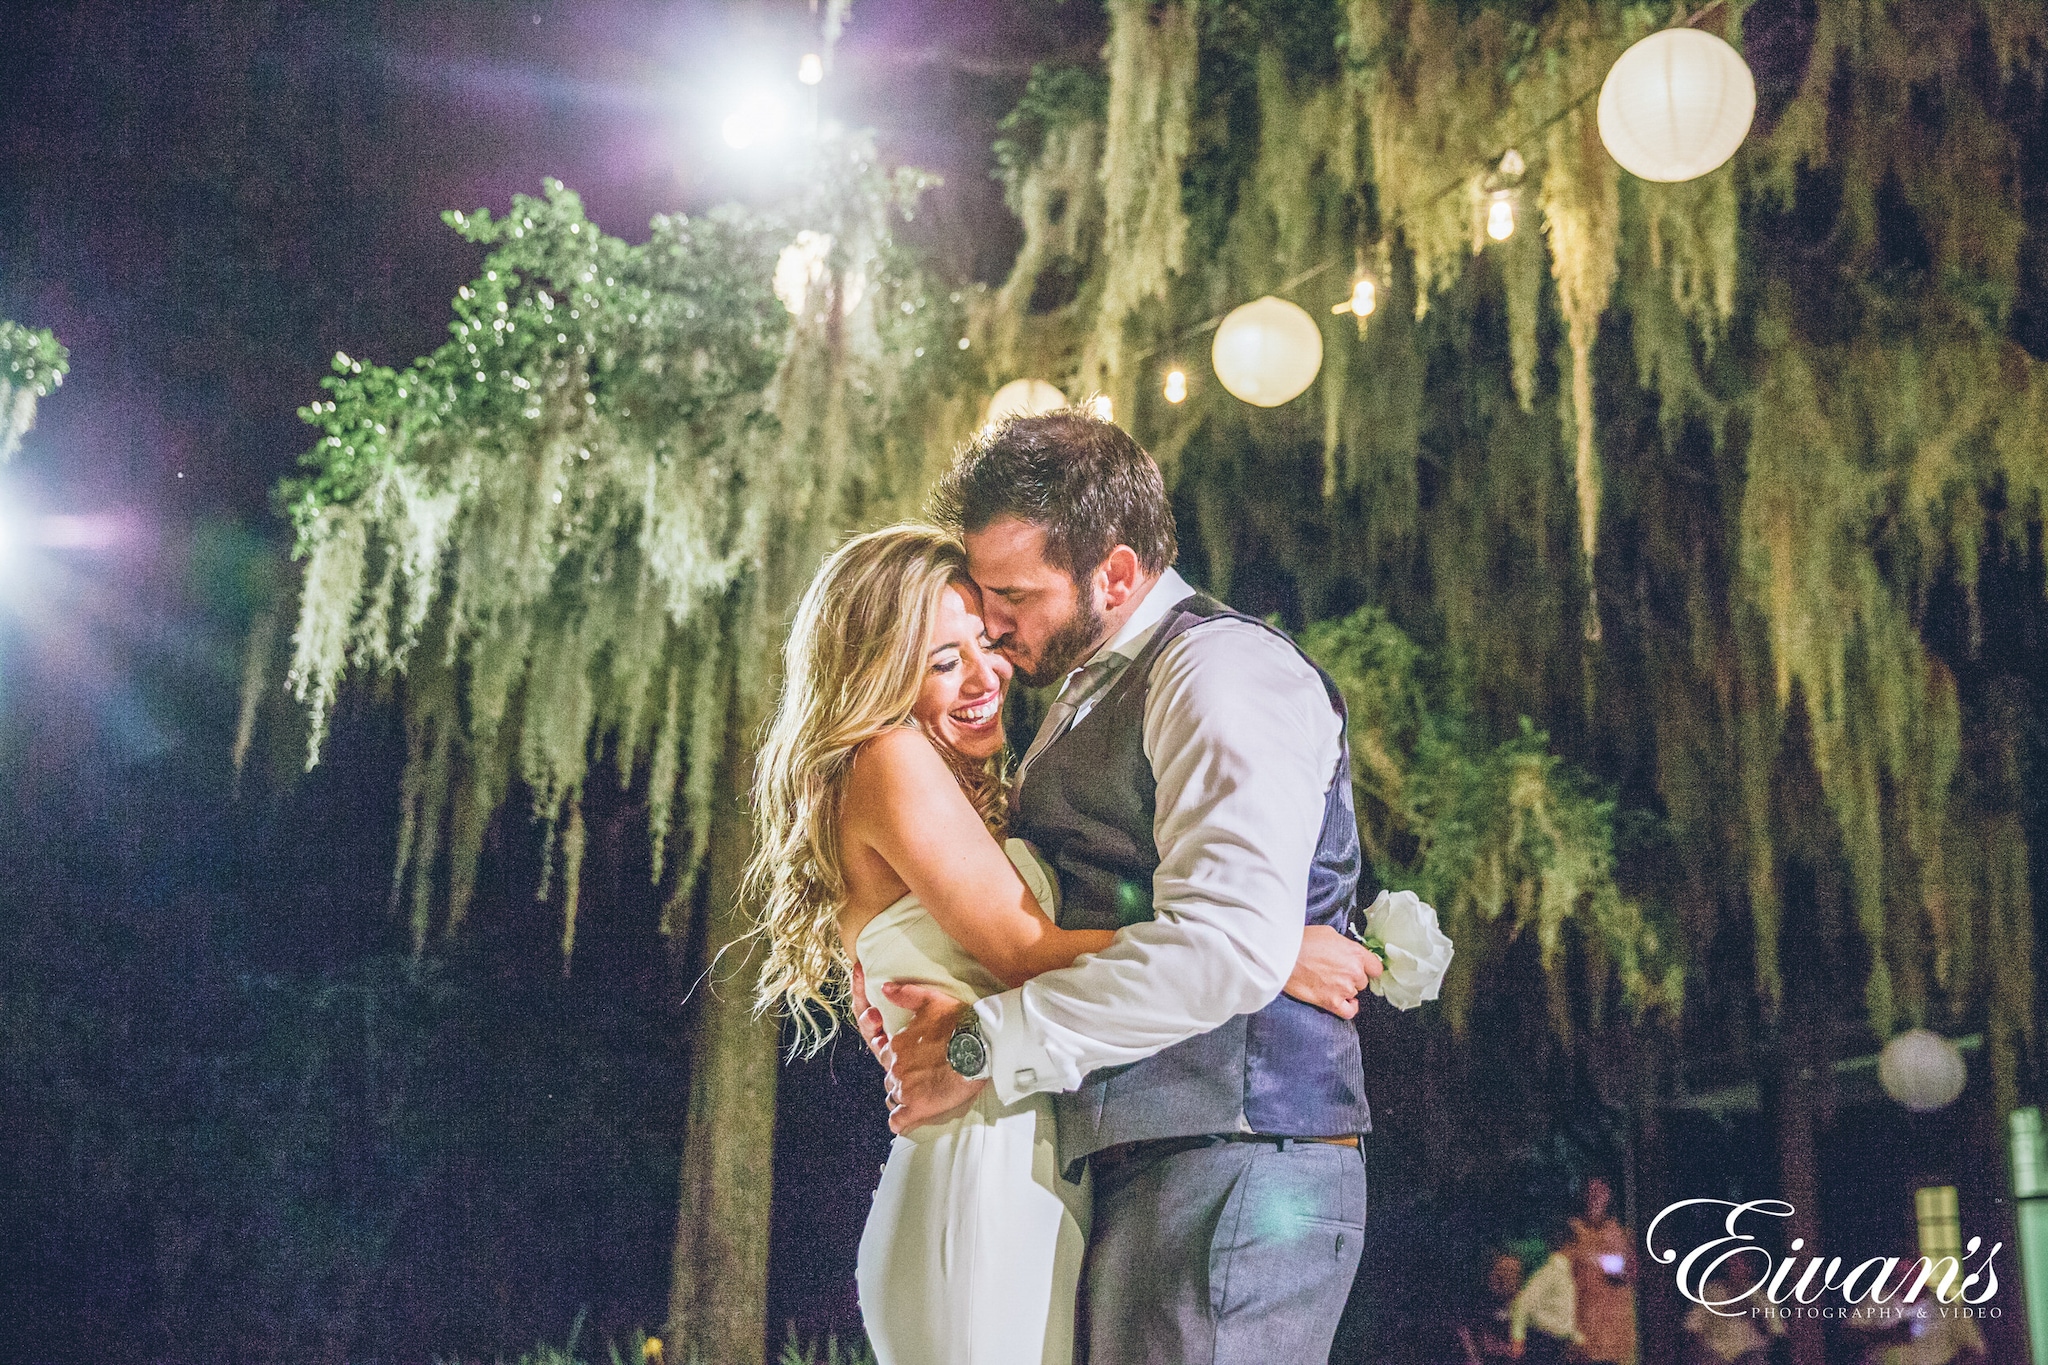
967	1049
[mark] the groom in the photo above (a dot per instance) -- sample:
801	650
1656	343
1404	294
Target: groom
1191	784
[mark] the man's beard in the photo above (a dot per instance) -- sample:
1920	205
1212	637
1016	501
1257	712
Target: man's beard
1066	648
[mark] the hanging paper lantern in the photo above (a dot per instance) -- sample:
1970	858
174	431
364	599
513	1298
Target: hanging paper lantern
1921	1070
1267	351
1024	398
1676	105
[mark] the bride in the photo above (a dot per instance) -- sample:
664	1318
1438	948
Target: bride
879	808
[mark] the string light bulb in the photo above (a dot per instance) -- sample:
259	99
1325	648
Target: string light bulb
1498	193
811	69
1365	296
1101	408
1176	386
1500	215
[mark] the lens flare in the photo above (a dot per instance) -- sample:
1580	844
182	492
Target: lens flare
760	118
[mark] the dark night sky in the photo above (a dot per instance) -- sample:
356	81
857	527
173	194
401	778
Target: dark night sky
206	200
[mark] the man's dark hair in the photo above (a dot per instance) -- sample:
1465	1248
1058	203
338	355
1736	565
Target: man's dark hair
1084	480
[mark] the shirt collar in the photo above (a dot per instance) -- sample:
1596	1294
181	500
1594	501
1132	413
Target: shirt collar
1166	592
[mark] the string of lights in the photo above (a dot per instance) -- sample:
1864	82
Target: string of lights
1675	106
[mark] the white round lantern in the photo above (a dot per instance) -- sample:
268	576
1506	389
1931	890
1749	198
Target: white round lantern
802	268
1676	105
1921	1070
1024	398
1267	351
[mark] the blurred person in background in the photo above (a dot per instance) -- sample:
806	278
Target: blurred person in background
1731	1336
1543	1321
1486	1338
1603	1260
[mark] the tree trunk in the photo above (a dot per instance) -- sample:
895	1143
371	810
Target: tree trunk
718	1288
1657	1317
1798	1176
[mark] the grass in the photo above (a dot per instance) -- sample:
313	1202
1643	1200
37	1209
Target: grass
646	1350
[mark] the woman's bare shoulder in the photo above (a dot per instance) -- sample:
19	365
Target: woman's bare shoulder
898	751
888	775
899	762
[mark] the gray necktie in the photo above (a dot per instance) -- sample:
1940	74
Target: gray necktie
1081	685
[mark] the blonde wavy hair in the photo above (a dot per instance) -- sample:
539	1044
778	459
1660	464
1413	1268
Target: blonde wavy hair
852	670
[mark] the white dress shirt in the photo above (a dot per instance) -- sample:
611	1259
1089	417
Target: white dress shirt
1243	743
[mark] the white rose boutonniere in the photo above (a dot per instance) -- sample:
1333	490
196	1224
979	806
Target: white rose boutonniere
1401	927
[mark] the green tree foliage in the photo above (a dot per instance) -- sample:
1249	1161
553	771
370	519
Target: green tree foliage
575	526
1675	467
32	365
1483	831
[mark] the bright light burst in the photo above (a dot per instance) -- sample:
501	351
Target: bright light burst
761	118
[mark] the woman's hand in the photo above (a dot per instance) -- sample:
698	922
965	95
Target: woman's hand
868	1019
1331	971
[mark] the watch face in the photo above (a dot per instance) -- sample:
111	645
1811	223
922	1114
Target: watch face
967	1054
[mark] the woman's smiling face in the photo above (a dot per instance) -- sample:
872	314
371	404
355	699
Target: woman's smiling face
961	701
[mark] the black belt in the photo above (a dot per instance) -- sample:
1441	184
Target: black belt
1149	1149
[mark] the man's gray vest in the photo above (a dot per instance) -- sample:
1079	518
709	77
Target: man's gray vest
1087	803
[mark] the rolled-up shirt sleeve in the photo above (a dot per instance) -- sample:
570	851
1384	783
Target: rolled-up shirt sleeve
1243	744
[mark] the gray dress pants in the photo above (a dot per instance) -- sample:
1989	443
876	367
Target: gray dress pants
1238	1253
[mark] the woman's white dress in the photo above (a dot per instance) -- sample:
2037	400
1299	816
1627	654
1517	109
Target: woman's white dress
972	1252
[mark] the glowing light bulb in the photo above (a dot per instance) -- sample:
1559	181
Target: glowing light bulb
1364	297
1100	407
1500	216
1176	386
811	69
